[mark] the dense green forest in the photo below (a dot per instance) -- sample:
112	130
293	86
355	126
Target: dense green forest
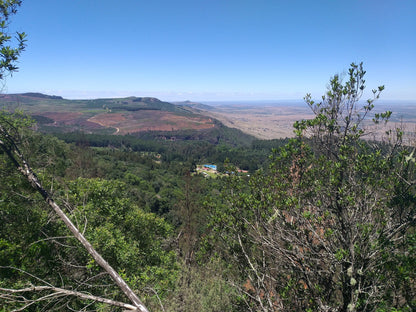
324	221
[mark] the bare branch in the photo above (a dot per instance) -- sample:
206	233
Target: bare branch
16	295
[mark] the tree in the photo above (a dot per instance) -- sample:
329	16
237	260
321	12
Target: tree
330	225
9	54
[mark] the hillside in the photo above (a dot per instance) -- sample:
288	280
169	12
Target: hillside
141	116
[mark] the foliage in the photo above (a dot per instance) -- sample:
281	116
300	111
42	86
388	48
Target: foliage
329	226
9	54
128	238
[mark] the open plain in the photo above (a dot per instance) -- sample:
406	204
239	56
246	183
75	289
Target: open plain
275	120
266	121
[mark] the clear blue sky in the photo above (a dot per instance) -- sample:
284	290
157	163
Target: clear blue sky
213	49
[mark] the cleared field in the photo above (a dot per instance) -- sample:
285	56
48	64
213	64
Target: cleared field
150	121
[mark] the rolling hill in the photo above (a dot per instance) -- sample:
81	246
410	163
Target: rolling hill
141	116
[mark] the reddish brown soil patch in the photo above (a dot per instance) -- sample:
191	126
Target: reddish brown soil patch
150	120
88	125
62	116
108	119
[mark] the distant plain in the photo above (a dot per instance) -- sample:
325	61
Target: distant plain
273	120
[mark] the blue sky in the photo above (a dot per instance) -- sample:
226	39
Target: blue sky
213	49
